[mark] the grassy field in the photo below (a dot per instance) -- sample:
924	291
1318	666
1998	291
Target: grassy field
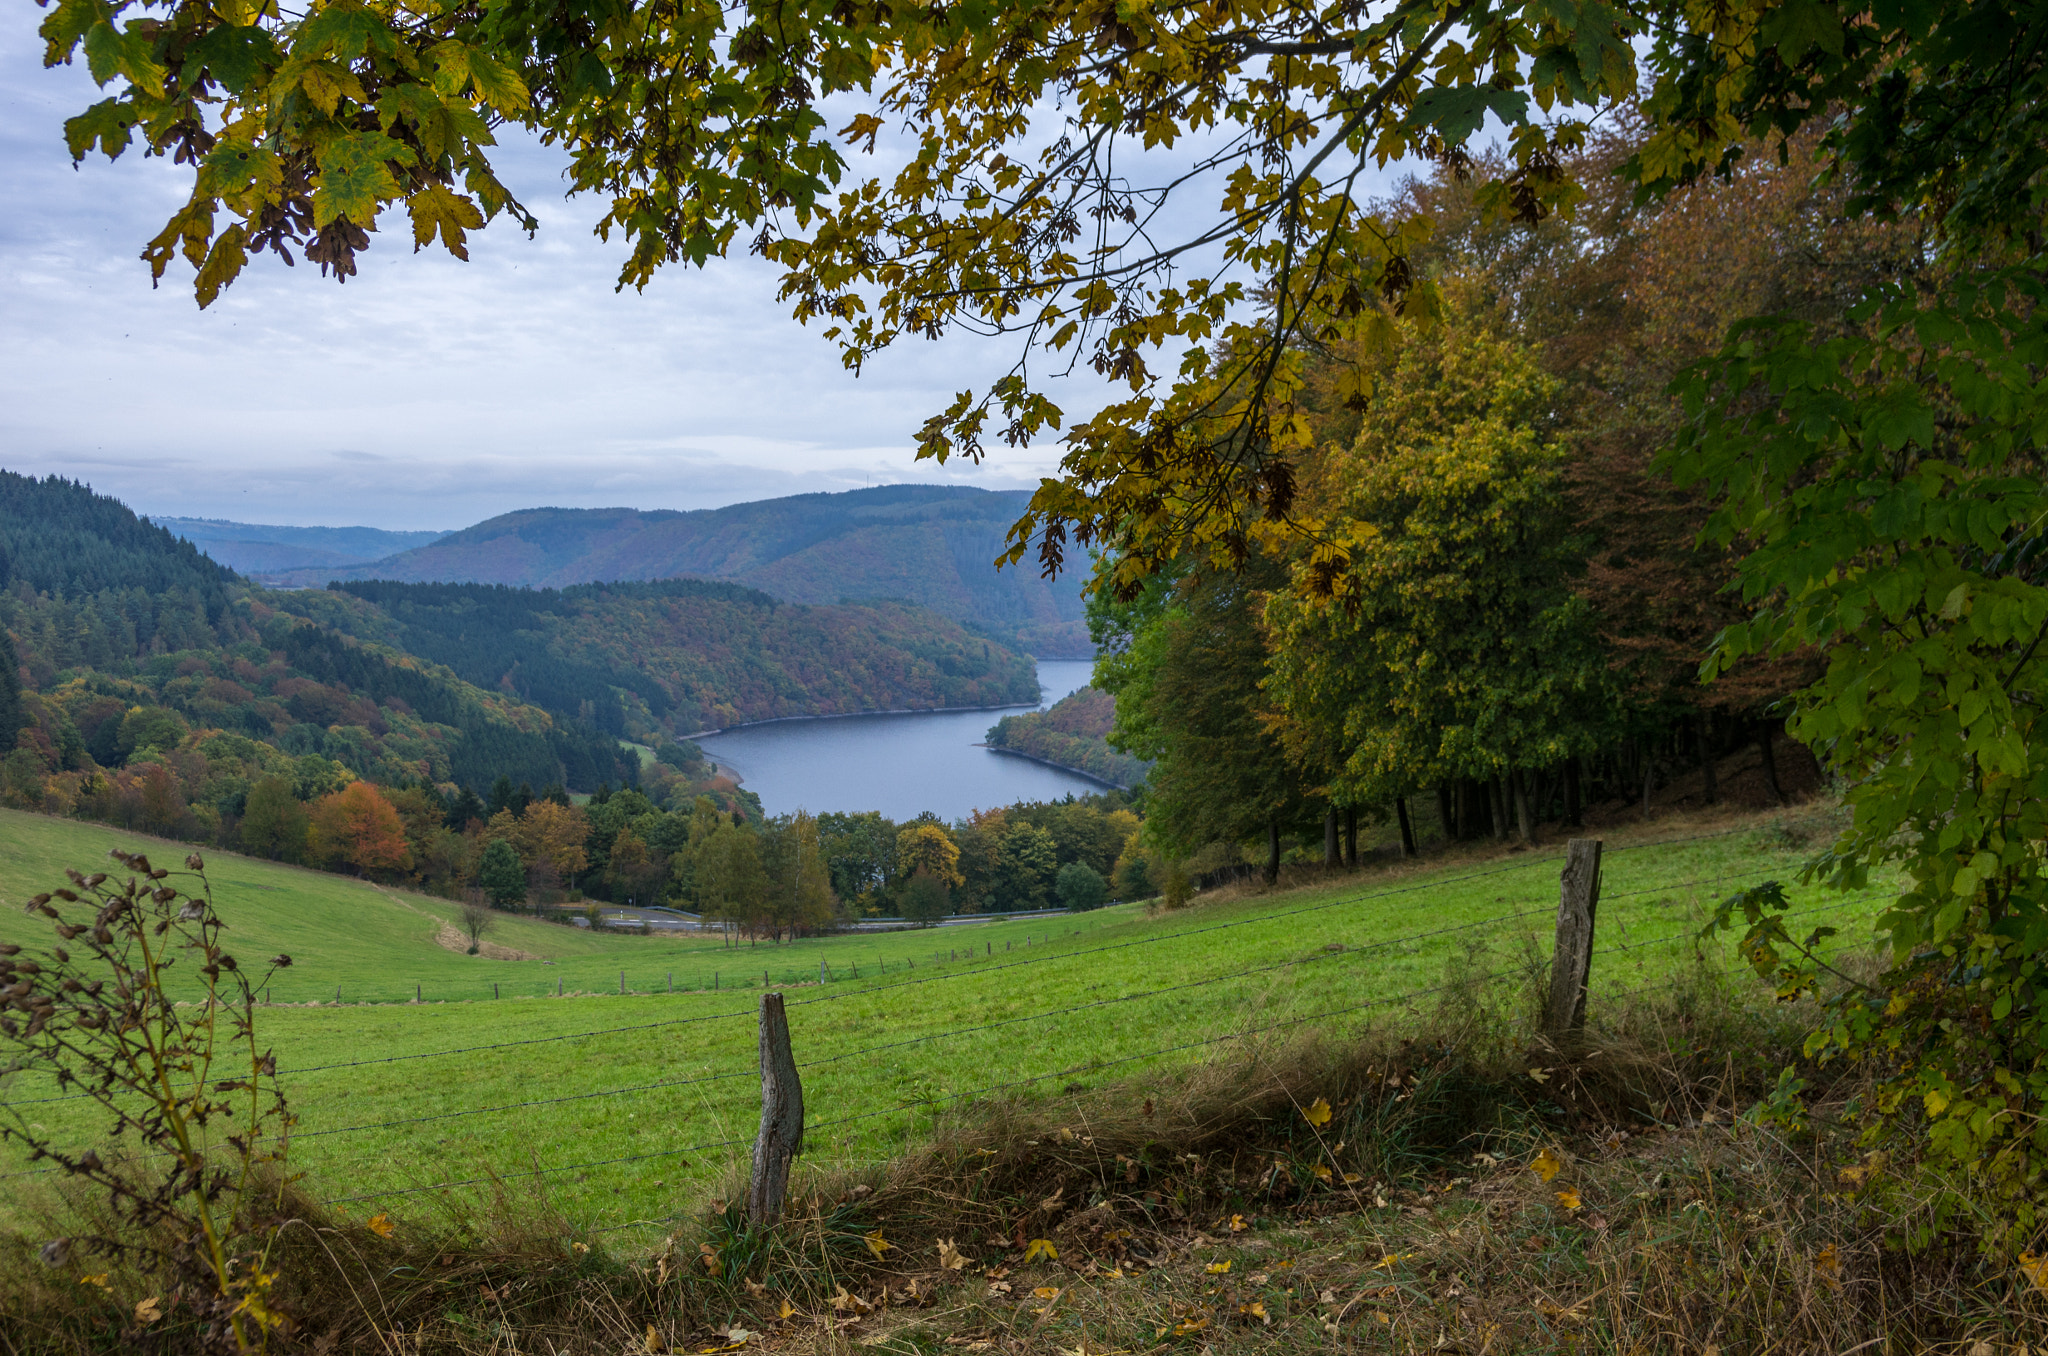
398	1097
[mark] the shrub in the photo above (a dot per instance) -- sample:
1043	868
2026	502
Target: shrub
1081	888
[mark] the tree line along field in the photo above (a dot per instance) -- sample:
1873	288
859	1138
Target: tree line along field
377	944
392	1098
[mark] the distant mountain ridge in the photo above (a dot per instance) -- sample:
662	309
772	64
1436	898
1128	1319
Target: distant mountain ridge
258	549
930	545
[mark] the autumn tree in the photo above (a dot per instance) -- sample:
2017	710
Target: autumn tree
800	895
357	827
732	885
1027	860
1453	643
928	848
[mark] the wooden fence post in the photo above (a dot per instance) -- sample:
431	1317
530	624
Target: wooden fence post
782	1117
1571	963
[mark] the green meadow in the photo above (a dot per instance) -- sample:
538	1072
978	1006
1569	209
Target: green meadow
395	1097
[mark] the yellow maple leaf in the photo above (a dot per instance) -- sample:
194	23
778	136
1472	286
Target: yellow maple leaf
653	1341
1826	1260
1218	1268
1352	1179
1391	1260
1238	1224
98	1278
1046	1292
1041	1248
785	1309
2035	1269
1257	1310
876	1243
1546	1165
950	1257
1318	1112
148	1312
1568	1198
1322	1172
380	1224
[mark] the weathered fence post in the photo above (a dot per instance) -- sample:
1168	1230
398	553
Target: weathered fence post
782	1117
1571	963
821	972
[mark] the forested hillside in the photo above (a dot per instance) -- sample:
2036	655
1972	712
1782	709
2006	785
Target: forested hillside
399	730
259	549
924	544
1072	733
670	657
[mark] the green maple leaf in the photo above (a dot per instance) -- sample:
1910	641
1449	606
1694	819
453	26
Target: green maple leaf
355	177
108	122
239	58
111	51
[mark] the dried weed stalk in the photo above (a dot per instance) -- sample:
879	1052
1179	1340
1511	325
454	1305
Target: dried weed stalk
187	1193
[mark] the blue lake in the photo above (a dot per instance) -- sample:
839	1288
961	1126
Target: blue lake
898	764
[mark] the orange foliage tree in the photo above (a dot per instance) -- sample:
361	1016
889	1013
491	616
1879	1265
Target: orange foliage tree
357	826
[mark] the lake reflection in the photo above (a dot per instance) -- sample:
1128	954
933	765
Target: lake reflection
898	764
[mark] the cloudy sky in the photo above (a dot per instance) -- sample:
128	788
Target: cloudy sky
425	393
428	393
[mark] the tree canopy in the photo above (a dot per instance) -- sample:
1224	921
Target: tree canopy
1111	184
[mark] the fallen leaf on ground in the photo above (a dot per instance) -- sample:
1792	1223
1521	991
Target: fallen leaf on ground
653	1343
1041	1248
1046	1292
1238	1225
1546	1165
2035	1269
380	1224
1218	1268
876	1243
1317	1113
949	1256
1568	1198
1391	1260
98	1278
1257	1310
785	1310
149	1311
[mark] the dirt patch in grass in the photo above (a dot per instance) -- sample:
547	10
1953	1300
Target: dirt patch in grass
454	939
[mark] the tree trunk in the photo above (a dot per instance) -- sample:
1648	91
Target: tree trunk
1497	796
1445	820
1574	813
1407	829
1763	744
1330	848
1272	851
1351	836
1649	773
1710	788
1518	786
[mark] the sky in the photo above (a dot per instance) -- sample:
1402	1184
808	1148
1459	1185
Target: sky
424	393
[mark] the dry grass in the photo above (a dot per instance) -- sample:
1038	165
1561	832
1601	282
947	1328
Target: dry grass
1216	1214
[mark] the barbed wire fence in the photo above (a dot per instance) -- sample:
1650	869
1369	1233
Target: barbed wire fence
930	1107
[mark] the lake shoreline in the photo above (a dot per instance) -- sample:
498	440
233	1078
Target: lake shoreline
1097	778
876	711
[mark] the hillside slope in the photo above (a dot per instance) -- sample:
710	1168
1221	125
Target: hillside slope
1072	734
678	655
928	545
269	548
